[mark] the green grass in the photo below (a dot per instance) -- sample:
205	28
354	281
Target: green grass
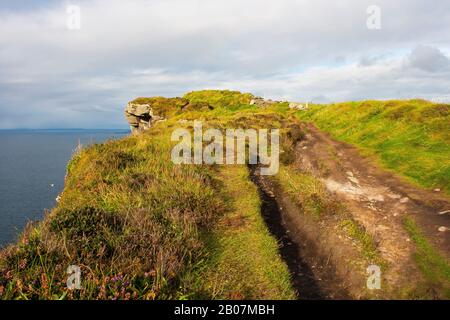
242	248
220	98
410	137
141	227
365	240
127	212
434	267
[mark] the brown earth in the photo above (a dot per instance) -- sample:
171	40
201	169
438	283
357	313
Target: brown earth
379	199
304	280
306	247
323	262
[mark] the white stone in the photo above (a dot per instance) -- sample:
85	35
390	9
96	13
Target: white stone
404	200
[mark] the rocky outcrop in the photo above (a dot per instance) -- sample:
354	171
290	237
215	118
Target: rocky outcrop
143	113
140	116
261	102
298	106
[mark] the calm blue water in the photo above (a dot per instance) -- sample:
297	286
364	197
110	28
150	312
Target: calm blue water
31	161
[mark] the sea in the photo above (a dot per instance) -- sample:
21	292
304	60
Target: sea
32	170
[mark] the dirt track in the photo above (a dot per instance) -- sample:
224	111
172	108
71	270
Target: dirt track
377	199
304	280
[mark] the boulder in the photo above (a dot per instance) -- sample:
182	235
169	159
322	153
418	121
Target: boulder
139	116
298	106
143	113
261	102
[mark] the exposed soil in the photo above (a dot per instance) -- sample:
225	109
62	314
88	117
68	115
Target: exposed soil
324	263
303	279
377	199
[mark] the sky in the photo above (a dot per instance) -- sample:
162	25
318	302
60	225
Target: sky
56	73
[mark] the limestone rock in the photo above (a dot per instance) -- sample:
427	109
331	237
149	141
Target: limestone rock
261	102
298	106
139	116
143	113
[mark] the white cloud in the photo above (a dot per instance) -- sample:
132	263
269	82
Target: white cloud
293	49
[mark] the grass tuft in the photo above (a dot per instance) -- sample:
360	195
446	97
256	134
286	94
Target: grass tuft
434	267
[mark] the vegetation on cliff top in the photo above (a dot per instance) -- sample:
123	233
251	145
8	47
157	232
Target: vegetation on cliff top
141	227
410	137
220	98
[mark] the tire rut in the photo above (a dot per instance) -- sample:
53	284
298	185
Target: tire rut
303	279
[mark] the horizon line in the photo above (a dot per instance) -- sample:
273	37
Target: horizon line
5	129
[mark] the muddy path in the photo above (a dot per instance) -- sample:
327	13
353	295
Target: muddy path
377	199
305	282
325	263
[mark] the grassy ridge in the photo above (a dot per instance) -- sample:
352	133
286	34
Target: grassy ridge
410	137
231	100
141	227
128	217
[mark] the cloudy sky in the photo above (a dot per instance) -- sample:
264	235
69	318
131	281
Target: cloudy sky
55	75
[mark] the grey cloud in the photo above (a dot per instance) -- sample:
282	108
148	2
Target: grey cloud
294	49
367	61
428	58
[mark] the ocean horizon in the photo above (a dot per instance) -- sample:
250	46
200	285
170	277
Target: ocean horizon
32	169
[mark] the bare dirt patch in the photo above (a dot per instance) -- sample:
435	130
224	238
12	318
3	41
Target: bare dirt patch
377	199
313	274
